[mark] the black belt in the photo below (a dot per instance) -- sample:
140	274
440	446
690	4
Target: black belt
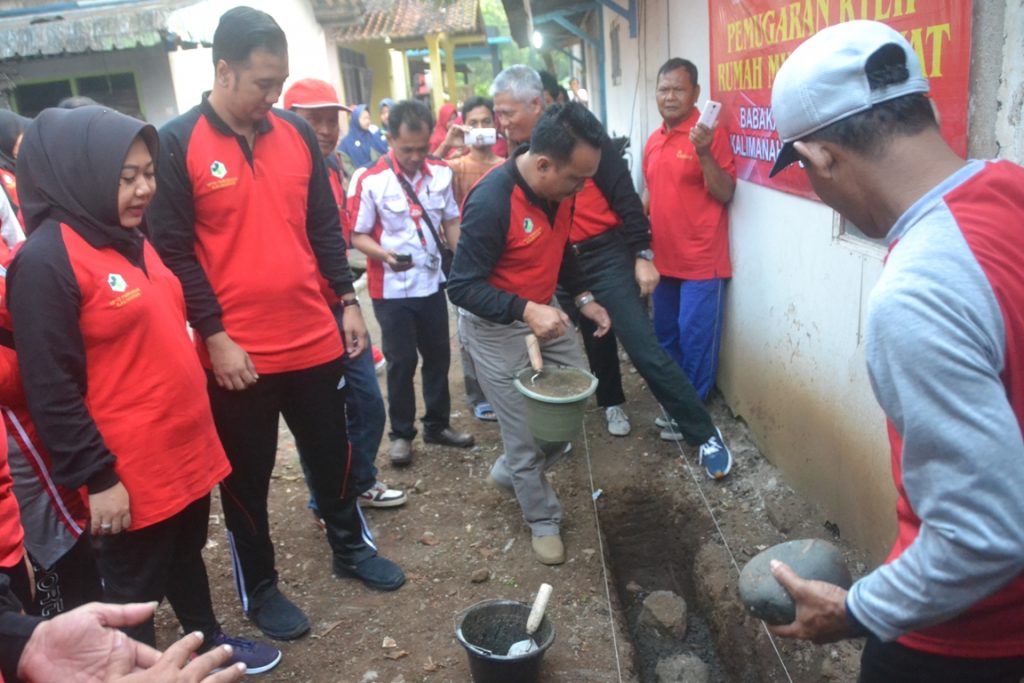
606	238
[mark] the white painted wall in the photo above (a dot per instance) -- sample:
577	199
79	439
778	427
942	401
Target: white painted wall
148	63
310	55
792	361
1009	131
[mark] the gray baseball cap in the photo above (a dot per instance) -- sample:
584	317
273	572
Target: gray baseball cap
825	80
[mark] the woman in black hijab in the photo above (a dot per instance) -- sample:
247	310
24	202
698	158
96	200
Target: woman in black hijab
113	383
12	127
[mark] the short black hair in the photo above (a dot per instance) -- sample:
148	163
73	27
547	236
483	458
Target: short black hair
413	113
867	132
561	127
474	102
679	63
549	83
244	29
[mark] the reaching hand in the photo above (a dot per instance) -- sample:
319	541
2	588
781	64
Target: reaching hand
177	666
85	646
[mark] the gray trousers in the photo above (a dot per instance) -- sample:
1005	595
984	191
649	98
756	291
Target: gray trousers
499	352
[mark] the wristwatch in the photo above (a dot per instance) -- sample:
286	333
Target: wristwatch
645	254
584	299
345	303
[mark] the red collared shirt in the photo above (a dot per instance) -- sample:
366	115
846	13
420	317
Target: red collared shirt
689	227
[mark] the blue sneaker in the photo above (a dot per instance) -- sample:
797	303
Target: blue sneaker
258	657
715	456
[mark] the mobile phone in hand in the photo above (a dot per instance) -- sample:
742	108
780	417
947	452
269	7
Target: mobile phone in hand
709	114
403	258
481	136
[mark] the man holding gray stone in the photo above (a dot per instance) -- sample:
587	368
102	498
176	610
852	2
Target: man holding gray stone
945	353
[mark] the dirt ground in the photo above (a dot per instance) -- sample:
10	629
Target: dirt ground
664	526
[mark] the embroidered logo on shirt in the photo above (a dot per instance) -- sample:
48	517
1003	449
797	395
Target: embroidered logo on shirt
527	225
117	283
218	169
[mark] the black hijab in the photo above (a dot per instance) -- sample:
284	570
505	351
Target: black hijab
11	126
69	169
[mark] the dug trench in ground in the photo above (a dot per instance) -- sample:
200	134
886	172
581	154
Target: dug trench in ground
461	542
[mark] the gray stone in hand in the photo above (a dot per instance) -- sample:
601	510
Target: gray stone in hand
766	599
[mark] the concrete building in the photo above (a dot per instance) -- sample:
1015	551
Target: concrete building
792	360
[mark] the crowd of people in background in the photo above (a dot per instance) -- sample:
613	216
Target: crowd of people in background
146	355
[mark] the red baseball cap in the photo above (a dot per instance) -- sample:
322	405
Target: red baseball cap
312	93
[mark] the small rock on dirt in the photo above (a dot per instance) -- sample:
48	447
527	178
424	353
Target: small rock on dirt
480	575
682	669
666	612
634	587
766	599
428	538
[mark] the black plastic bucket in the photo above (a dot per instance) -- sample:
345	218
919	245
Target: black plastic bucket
488	629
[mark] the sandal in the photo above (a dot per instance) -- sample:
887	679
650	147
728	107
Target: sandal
484	412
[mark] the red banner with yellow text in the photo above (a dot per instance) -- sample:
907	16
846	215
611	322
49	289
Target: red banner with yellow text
751	38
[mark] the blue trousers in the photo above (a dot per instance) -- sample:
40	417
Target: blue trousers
688	322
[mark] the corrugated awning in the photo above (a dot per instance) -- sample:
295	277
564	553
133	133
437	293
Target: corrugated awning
98	27
404	19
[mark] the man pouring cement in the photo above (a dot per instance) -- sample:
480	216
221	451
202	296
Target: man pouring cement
512	252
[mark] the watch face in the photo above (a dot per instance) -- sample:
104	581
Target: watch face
646	254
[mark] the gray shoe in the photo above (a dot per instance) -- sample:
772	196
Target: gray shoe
548	549
618	421
400	452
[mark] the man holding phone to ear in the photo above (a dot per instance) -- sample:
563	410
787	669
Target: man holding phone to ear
690	173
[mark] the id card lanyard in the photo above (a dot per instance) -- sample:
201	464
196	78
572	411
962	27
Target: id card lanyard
415	209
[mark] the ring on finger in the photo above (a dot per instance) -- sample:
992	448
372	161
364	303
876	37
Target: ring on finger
106	525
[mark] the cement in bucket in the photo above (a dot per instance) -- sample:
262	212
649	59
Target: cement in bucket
555	418
488	629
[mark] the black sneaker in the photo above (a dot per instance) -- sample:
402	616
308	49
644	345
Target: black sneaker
375	572
258	657
449	437
276	615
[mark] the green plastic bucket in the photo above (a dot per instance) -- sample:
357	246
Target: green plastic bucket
551	418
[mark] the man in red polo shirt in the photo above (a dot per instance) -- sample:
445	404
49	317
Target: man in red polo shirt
246	219
690	175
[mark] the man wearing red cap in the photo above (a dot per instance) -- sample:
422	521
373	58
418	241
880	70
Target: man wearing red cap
318	103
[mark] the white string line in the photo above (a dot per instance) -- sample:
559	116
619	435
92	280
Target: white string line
721	534
600	550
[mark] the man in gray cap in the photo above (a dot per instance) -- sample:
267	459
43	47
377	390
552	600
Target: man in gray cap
945	354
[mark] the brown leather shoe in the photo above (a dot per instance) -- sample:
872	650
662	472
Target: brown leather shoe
449	437
400	452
